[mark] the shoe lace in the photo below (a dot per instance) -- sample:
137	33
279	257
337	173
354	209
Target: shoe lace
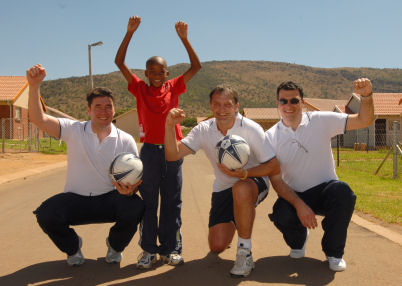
241	259
144	257
174	256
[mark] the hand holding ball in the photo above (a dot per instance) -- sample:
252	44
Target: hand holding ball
232	151
126	168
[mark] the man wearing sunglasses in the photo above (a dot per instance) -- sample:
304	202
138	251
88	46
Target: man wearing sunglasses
302	144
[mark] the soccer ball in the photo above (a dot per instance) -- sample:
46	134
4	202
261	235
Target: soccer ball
126	168
232	151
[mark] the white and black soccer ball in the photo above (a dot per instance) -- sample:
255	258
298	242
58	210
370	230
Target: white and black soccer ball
126	168
232	151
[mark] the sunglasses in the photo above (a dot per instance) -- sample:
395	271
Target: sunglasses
294	100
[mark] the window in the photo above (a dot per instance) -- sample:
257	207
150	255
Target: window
18	114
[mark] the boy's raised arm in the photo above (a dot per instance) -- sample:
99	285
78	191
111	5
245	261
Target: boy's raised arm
181	29
132	26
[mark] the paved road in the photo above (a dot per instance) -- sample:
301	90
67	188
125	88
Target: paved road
29	258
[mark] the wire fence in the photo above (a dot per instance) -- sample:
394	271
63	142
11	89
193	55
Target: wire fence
375	150
372	150
23	136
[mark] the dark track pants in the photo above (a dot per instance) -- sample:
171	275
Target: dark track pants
56	214
334	200
164	178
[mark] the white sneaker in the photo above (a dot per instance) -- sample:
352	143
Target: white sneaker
244	263
76	259
145	260
112	256
336	264
173	259
299	253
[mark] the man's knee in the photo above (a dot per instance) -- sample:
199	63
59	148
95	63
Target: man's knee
245	192
46	216
342	193
283	214
217	246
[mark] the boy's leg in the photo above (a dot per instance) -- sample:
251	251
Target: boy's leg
337	205
170	209
153	159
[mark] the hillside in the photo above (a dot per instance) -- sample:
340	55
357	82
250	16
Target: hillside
256	82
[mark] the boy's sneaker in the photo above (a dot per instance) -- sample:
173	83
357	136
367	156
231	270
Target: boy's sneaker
244	263
299	253
76	259
336	264
112	256
173	259
145	260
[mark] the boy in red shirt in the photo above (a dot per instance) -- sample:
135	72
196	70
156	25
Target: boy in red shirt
153	104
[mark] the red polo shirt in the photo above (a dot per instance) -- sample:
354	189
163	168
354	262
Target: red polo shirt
153	105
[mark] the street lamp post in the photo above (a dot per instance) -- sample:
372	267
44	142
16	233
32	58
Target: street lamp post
91	81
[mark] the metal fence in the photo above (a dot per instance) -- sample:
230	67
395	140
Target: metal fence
371	149
23	136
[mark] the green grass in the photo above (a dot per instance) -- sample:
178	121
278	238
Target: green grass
46	145
379	195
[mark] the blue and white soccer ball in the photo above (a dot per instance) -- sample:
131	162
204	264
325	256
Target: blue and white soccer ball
232	151
126	168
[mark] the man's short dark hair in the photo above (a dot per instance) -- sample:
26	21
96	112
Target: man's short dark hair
99	92
224	88
289	85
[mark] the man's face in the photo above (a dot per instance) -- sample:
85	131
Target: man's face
156	74
224	107
289	104
101	111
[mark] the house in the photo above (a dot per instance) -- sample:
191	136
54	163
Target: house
14	107
266	117
387	109
14	122
320	104
128	122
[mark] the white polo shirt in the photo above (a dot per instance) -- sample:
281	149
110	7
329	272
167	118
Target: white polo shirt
206	135
89	160
305	155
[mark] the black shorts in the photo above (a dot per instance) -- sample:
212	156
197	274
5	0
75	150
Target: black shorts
222	203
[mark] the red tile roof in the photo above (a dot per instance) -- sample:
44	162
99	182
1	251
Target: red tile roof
387	103
261	113
323	104
11	87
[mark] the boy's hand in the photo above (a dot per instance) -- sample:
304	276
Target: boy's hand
133	24
35	75
175	116
181	29
363	87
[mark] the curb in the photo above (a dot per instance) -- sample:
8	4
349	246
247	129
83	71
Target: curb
380	230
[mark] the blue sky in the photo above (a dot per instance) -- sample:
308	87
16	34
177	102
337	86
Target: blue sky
338	33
